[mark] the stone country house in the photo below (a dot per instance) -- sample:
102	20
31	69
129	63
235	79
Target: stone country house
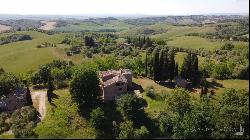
15	100
115	83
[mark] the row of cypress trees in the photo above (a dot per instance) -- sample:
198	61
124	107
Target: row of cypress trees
161	65
142	42
189	68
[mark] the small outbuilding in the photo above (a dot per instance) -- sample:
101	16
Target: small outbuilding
180	82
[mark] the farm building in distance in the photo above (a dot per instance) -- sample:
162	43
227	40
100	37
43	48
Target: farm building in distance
115	83
15	100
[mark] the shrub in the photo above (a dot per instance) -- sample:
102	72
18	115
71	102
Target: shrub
221	71
9	82
97	118
84	86
4	126
14	38
127	131
130	106
150	92
23	121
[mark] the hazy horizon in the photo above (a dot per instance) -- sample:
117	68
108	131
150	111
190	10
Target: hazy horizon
124	7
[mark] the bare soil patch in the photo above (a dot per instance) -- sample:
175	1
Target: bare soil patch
49	25
4	28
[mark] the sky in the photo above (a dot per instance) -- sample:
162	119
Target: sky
145	7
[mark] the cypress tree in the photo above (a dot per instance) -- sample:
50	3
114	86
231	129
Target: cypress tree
86	40
166	58
28	97
92	42
50	89
171	64
89	41
146	64
148	42
129	40
176	70
139	41
187	67
196	62
194	69
183	70
150	66
144	40
156	66
164	64
204	86
161	65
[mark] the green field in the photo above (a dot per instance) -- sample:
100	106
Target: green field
23	56
90	26
194	43
176	35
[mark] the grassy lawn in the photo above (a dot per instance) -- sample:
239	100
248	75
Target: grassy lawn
24	56
63	121
157	105
232	83
7	136
153	105
146	82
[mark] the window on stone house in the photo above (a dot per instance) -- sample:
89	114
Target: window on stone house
120	88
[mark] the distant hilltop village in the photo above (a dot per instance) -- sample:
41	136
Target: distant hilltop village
115	83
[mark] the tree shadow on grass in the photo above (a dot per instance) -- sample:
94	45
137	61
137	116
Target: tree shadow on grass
111	115
166	84
54	96
52	104
137	87
215	85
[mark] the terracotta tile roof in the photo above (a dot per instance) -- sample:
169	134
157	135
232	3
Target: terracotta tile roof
119	78
126	71
109	72
113	76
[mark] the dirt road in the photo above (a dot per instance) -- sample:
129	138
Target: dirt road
39	100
